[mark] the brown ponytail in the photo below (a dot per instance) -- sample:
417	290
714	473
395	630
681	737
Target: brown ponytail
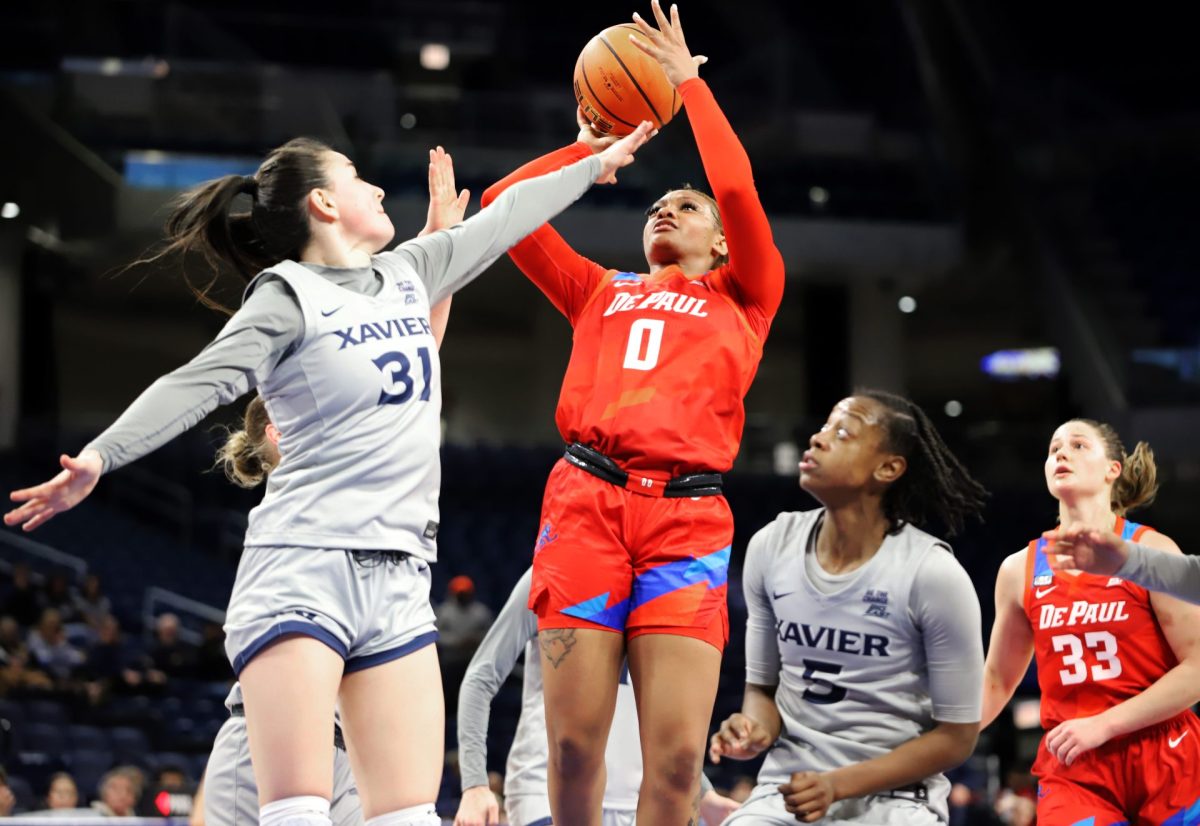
275	227
247	455
1137	485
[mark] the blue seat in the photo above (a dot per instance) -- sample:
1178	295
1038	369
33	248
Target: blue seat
88	737
45	711
47	738
129	744
88	766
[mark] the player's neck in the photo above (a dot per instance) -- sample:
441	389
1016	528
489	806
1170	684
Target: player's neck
850	536
692	266
329	249
1095	512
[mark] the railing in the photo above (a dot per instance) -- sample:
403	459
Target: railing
53	556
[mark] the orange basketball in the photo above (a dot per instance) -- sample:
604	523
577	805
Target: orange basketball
618	85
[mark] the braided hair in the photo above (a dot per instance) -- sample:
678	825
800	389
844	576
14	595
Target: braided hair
936	483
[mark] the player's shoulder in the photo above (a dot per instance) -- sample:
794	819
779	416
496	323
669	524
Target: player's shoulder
784	531
911	541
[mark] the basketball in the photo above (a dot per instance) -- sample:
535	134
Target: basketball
618	85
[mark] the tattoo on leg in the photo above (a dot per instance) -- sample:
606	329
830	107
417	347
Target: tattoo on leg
694	820
556	644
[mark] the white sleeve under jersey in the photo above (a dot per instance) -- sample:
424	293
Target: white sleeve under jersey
493	661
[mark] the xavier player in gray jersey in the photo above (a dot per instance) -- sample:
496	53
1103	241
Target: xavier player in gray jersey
864	656
228	792
331	600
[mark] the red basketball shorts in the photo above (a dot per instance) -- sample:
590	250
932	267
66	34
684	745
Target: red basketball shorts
1147	777
611	559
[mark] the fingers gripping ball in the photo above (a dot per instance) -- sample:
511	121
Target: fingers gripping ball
618	85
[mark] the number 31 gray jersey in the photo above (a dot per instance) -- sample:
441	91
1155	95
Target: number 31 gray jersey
869	666
357	405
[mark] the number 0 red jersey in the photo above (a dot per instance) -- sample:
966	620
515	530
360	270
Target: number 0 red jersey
1096	638
662	362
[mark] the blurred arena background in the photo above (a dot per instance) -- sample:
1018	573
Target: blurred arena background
984	206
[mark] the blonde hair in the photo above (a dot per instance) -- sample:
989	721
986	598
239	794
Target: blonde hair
1137	485
247	455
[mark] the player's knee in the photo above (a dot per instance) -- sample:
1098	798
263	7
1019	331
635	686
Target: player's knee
676	767
577	755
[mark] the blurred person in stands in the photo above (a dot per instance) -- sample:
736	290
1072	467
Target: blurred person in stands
462	622
170	654
50	649
211	663
120	789
62	793
24	600
8	800
17	672
113	667
91	605
57	595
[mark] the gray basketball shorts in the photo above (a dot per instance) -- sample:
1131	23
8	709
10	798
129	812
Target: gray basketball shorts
371	608
231	793
765	807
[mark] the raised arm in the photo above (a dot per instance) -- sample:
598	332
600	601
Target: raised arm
448	260
493	661
755	272
250	345
1105	553
563	275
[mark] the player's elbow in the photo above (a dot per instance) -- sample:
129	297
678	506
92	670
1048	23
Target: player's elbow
959	741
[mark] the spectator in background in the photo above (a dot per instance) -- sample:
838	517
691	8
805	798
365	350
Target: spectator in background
171	794
212	663
120	789
112	667
57	595
24	599
50	649
63	793
8	800
170	654
462	622
91	606
16	672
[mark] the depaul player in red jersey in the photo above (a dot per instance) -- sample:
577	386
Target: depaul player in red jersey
635	539
1118	667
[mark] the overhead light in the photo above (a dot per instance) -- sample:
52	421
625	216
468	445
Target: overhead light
9	210
435	56
819	195
408	120
953	409
907	304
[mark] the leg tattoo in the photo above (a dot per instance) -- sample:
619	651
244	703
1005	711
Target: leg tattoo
556	644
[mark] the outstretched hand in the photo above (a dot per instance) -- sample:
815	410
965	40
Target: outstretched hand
445	207
66	490
620	154
667	45
588	134
1080	548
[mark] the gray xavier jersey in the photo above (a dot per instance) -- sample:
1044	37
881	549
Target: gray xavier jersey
852	667
357	405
